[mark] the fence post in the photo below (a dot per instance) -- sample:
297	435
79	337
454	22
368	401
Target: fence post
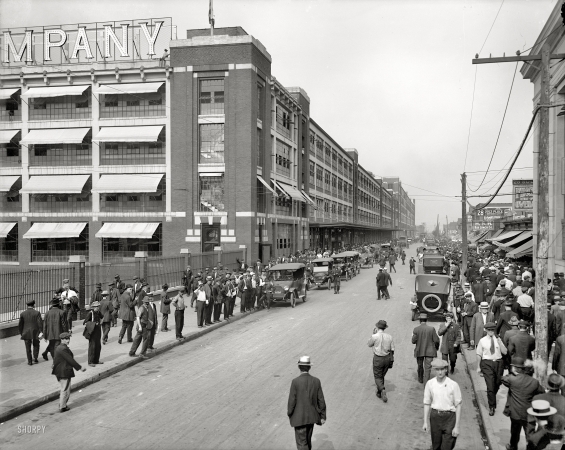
141	258
187	257
78	262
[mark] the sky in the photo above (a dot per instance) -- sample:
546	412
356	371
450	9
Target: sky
390	78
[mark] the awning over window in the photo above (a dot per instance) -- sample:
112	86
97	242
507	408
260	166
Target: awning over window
7	135
129	134
55	184
498	233
5	94
478	237
523	250
308	199
517	240
506	235
139	182
7	182
55	136
133	88
45	230
290	191
264	183
127	230
5	228
56	91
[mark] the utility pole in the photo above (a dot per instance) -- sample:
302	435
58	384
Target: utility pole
464	223
542	248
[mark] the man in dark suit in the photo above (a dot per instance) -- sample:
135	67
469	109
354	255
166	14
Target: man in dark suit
306	405
31	330
522	344
114	297
382	282
63	365
106	310
127	313
54	324
427	344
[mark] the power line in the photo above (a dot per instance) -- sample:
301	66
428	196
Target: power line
493	22
470	119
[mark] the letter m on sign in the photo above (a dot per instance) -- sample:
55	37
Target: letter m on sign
9	46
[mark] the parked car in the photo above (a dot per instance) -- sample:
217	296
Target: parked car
433	263
289	282
322	272
351	259
431	294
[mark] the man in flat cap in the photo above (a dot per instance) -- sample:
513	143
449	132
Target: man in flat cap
31	330
490	351
427	344
114	298
127	314
64	366
522	343
54	324
306	405
120	285
93	332
383	356
145	321
442	407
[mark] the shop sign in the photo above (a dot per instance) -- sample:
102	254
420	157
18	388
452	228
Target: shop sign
523	195
128	40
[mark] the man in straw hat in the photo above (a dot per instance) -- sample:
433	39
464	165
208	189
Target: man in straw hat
521	390
306	405
383	356
442	407
550	432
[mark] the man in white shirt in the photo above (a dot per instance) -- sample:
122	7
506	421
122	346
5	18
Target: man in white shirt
442	407
489	361
383	356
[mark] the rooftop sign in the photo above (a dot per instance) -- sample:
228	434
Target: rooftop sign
126	40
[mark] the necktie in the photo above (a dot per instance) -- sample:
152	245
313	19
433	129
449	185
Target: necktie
492	350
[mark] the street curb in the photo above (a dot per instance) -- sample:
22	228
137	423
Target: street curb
26	407
482	413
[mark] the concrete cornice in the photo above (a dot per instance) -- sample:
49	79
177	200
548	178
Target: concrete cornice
204	41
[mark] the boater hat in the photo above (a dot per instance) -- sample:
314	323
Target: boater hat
304	361
541	408
483	305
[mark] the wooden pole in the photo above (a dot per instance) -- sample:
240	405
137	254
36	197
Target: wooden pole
464	224
542	248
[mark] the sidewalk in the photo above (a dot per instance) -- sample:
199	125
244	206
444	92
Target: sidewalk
497	427
24	387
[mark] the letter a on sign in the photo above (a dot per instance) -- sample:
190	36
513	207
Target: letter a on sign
82	44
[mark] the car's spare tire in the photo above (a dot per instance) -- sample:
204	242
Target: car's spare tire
431	303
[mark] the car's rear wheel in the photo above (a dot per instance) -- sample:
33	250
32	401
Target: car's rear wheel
431	303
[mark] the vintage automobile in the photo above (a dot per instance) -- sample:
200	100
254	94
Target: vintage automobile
289	282
351	259
402	242
322	272
433	263
431	294
367	260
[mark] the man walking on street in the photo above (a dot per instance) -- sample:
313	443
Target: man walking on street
63	365
412	264
392	262
53	325
114	297
490	351
336	279
388	281
381	284
144	326
383	357
427	343
31	330
442	408
306	405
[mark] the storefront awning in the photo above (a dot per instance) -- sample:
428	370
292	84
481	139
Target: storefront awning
5	228
5	94
7	182
139	182
129	134
7	135
506	235
55	136
57	91
517	240
133	88
498	233
478	237
523	250
267	186
45	230
55	184
127	230
290	191
308	199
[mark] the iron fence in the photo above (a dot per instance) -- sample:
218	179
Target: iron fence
104	273
165	270
17	288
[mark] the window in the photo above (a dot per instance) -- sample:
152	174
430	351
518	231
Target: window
9	246
10	154
211	143
282	159
117	249
61	154
56	203
63	107
212	194
59	250
138	202
283	121
10	109
148	104
122	153
211	97
132	102
259	147
312	173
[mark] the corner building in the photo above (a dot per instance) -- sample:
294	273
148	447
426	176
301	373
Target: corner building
113	154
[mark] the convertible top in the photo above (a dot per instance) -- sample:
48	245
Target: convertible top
433	283
323	260
346	254
287	266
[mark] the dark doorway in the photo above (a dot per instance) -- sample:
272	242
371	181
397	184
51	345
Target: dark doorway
210	237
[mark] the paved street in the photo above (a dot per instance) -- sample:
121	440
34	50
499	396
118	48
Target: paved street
228	389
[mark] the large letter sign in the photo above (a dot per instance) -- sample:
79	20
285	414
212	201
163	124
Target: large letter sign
49	44
81	37
9	46
123	47
151	39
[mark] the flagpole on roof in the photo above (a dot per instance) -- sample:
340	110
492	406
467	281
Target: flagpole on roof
211	17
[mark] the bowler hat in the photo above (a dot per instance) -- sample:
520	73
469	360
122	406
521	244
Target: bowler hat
381	324
439	363
55	301
116	276
304	361
483	305
523	324
513	321
517	361
165	286
555	424
541	408
65	335
490	326
94	304
380	269
135	278
30	303
555	381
